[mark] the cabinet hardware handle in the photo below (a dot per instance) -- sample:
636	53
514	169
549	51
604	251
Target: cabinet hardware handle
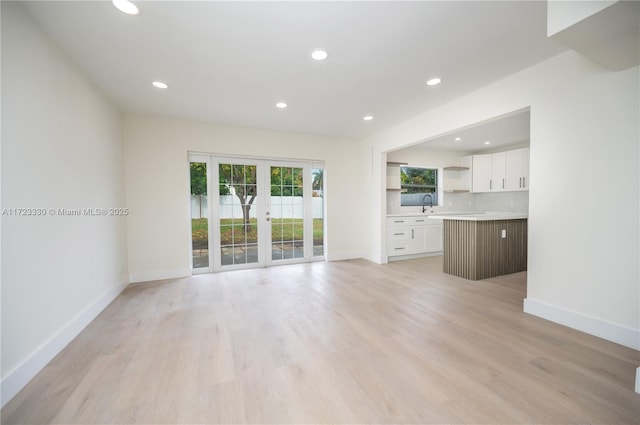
503	183
520	182
524	180
490	184
398	249
398	234
419	221
411	233
399	221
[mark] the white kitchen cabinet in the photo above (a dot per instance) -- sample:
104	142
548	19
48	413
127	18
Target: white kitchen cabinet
418	239
517	169
501	171
482	170
413	235
498	171
398	241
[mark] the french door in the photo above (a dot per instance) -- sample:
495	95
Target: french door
238	228
288	212
261	213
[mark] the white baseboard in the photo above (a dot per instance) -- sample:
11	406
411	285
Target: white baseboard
159	275
375	257
600	328
344	255
23	373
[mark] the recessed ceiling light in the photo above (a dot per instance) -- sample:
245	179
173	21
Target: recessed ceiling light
281	105
125	6
368	118
487	142
319	54
434	81
457	139
160	85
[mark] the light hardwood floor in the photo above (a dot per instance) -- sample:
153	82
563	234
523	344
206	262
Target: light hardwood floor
341	342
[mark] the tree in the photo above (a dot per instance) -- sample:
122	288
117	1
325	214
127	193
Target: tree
318	181
286	181
198	178
198	171
242	178
416	179
242	181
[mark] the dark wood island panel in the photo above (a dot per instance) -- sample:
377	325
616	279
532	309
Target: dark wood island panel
476	249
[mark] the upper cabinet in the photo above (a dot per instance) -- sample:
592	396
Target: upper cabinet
489	172
501	171
481	174
498	172
517	169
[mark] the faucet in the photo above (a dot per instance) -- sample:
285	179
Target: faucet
424	204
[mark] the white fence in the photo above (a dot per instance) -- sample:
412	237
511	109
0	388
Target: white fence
281	207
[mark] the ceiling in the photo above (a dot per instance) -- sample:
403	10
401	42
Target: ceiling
231	62
511	130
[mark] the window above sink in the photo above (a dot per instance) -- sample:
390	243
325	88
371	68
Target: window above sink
418	183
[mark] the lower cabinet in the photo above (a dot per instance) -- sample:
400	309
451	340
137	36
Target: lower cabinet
434	236
413	235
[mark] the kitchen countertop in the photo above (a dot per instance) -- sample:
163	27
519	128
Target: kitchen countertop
479	216
427	214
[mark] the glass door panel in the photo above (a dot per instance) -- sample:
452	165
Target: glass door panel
237	214
287	213
317	185
199	215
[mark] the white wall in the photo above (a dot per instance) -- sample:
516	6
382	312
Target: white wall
61	148
419	156
583	252
562	14
157	178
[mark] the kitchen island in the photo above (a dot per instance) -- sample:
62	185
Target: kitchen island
480	245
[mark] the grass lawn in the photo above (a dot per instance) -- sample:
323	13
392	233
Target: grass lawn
281	229
199	233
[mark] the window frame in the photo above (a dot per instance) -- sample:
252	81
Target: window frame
433	189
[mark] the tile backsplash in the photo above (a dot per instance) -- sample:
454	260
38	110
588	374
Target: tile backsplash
498	201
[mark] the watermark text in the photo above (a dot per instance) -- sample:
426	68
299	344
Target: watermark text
65	212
